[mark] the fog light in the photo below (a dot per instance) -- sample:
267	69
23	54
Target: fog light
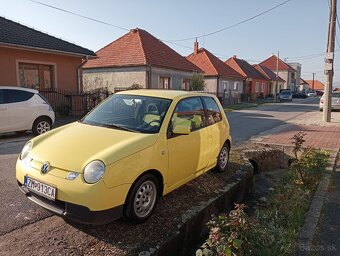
72	175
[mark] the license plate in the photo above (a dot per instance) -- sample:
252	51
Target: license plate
40	188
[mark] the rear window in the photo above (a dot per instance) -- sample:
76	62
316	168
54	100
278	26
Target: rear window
213	111
14	96
1	97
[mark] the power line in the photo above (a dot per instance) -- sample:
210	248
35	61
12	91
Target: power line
234	25
80	15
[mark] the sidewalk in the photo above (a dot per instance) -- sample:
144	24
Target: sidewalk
318	135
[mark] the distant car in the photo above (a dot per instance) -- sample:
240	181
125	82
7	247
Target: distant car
23	109
299	95
335	101
285	95
319	93
311	94
127	152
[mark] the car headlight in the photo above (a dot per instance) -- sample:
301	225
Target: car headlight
26	149
94	171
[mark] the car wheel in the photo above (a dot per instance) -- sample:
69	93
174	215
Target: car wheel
142	199
223	159
41	125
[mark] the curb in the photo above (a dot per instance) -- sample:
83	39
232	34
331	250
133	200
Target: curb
308	230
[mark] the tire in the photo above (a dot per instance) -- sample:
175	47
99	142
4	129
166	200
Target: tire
41	125
142	199
223	159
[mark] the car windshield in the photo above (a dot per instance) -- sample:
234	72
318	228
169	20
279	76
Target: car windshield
285	93
132	113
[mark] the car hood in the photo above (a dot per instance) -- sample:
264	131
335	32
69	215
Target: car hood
73	146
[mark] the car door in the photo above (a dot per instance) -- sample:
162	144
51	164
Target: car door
188	154
20	113
215	127
4	120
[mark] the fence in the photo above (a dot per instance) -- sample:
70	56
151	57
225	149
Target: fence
66	103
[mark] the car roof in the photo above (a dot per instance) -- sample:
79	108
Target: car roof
19	88
167	94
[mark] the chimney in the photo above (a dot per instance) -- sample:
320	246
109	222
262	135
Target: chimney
195	47
234	56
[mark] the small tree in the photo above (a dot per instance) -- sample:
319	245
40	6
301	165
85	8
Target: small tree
197	82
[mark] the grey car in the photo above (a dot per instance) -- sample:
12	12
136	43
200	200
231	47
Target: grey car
335	101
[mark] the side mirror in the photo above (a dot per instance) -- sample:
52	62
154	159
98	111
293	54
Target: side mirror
183	128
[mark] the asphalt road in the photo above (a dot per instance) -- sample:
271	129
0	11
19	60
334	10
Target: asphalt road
17	211
253	121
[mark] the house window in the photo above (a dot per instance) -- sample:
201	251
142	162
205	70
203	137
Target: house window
36	76
164	82
225	85
236	86
257	85
262	89
186	84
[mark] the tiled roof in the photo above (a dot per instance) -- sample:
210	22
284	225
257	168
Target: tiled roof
268	73
211	65
16	34
317	84
244	68
137	48
272	64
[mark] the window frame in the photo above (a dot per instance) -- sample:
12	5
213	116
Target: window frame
262	87
41	64
257	86
169	134
161	86
206	110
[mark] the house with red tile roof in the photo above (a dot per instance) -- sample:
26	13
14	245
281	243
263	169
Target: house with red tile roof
219	77
33	59
304	86
138	58
255	84
271	76
290	72
316	85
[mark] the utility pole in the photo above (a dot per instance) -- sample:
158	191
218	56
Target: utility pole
326	117
313	82
277	76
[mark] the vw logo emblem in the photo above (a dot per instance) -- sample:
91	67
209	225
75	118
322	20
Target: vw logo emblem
45	167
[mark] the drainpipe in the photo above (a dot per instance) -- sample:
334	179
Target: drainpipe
149	78
79	74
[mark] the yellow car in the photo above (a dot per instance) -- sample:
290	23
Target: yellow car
122	156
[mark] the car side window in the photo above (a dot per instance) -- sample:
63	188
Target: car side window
2	97
213	111
14	96
189	109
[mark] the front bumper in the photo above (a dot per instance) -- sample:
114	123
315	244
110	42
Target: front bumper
74	212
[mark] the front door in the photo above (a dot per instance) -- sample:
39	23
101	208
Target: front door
188	154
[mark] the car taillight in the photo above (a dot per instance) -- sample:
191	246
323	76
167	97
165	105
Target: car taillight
321	101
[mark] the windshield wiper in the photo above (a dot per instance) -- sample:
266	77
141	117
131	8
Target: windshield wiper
120	127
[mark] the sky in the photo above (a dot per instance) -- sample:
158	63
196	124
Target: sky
297	30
